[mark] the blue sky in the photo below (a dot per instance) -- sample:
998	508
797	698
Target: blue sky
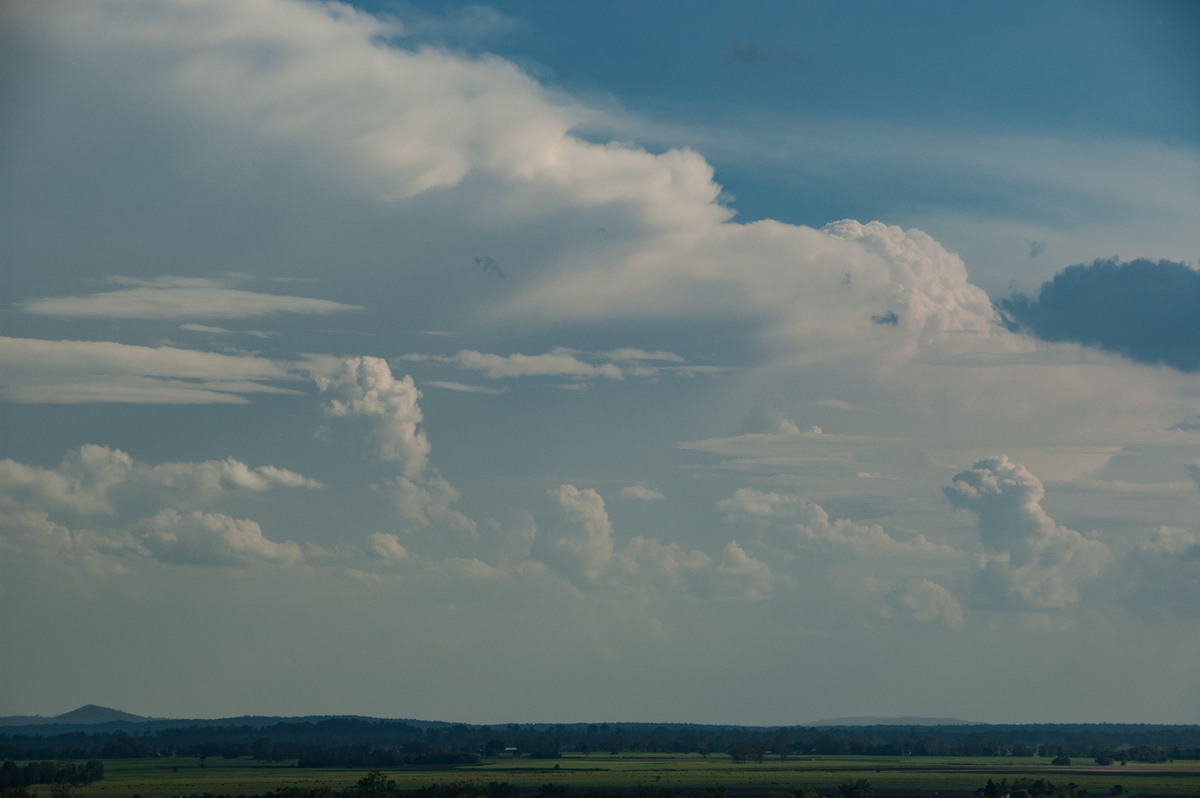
656	361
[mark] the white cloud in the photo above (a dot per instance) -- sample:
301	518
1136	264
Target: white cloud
820	294
1162	575
204	328
192	135
815	528
463	388
739	575
927	602
365	387
866	538
748	504
169	300
82	511
641	492
73	372
1035	561
633	354
29	534
387	546
648	567
95	479
584	545
199	538
559	363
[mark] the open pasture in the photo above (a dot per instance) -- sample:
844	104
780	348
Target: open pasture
646	773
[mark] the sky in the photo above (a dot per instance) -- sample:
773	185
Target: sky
743	363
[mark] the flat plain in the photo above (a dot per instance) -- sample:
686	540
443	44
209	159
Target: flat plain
645	774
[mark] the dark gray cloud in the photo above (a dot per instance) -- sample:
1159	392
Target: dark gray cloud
1145	310
745	53
489	266
887	318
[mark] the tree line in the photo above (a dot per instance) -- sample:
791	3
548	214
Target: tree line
14	777
354	742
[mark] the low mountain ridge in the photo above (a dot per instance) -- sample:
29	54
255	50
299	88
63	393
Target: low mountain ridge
86	715
869	720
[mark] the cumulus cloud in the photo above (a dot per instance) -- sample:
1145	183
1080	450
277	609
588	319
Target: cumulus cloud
94	480
198	538
387	546
1144	310
583	546
649	566
176	298
365	387
73	372
1034	561
927	602
816	530
85	511
30	535
1163	574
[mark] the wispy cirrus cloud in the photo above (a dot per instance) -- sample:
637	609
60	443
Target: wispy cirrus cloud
74	372
175	298
561	362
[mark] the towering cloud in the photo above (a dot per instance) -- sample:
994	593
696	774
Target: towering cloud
364	387
585	544
1034	561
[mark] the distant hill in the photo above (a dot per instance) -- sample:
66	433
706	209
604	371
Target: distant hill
867	720
87	715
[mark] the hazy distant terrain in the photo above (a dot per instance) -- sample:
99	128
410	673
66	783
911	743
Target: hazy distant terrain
871	720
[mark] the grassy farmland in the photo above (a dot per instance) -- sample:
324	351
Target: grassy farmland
649	773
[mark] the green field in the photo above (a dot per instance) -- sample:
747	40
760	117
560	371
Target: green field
643	773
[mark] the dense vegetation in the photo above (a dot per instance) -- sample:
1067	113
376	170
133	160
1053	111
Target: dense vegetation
14	777
353	742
